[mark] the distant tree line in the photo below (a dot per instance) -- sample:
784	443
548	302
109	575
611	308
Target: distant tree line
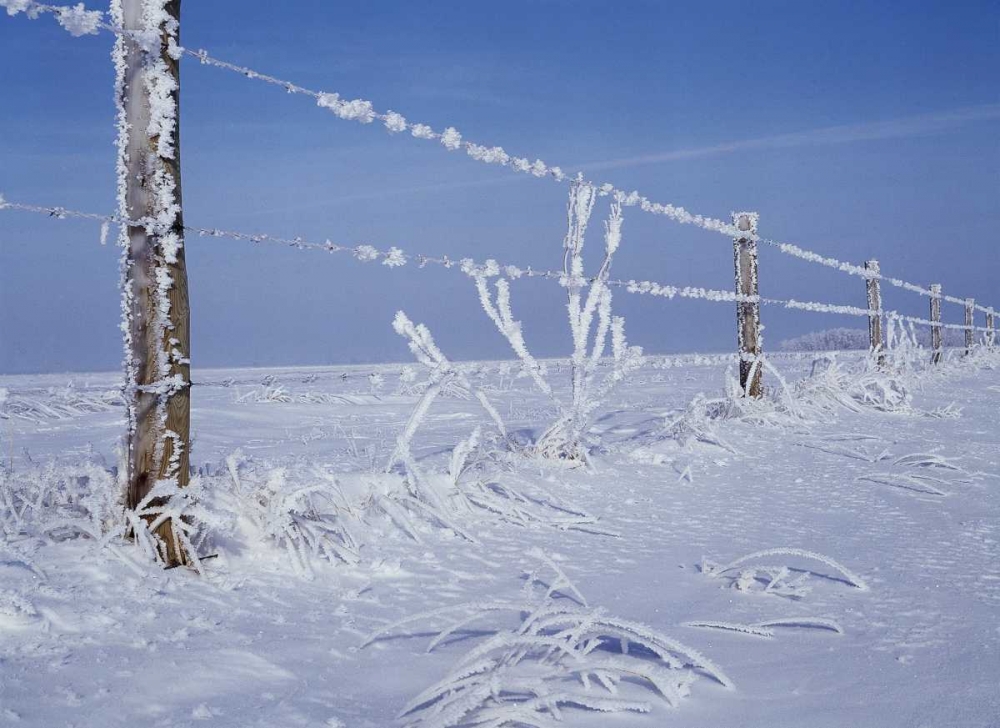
841	339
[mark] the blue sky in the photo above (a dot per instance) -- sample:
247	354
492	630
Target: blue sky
856	129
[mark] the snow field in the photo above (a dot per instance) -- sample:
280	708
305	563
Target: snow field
896	624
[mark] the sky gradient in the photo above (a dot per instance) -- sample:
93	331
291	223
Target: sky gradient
856	129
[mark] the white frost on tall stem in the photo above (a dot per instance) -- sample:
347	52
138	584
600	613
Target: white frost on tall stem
441	371
590	322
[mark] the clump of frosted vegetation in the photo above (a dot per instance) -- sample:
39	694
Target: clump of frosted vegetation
882	383
65	500
312	515
58	404
752	573
560	656
58	500
591	323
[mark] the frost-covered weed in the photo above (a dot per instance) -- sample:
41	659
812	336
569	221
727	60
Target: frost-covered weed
280	394
307	519
765	628
831	385
591	325
59	404
750	574
562	655
58	500
913	472
316	515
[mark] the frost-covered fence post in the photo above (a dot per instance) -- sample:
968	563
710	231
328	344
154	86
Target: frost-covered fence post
875	337
154	277
936	323
748	307
991	334
970	326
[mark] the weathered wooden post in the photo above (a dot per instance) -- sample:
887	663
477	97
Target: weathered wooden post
876	341
156	326
970	326
936	323
748	330
991	334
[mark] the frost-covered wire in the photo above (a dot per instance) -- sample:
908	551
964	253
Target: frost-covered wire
394	257
76	19
79	21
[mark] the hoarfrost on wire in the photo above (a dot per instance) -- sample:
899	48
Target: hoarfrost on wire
78	20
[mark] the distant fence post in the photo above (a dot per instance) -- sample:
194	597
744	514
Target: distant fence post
991	333
748	327
970	326
936	323
876	341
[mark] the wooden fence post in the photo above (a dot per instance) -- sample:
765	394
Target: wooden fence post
991	333
748	329
936	323
876	341
156	292
970	326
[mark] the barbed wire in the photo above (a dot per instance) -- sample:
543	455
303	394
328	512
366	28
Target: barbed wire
80	21
394	257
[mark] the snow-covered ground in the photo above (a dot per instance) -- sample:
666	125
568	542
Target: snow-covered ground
898	624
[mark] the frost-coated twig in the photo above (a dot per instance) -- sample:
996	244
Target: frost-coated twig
79	21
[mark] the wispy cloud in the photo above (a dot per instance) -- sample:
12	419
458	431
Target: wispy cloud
910	126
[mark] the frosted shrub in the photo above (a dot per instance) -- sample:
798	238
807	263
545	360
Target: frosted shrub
59	404
183	509
303	519
58	499
471	485
591	325
857	387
